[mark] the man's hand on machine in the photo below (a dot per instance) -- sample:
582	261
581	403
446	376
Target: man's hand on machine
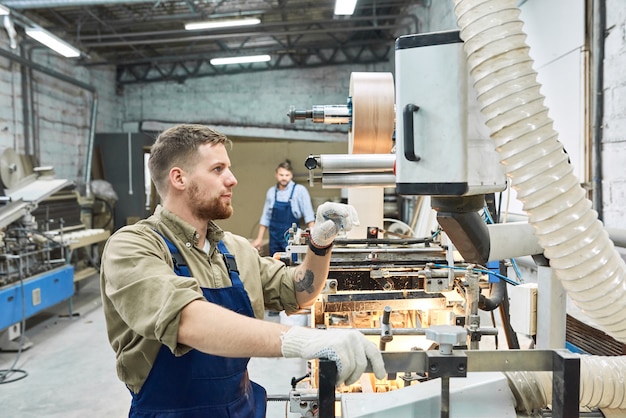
332	218
350	350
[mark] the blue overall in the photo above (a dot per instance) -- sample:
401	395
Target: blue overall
197	384
281	220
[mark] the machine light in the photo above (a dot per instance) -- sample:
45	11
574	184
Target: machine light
52	42
240	60
345	7
216	24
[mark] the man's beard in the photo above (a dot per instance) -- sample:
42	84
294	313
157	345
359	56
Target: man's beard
207	209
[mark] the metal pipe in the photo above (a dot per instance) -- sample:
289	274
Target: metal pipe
193	16
92	135
31	98
377	241
445	397
46	70
42	4
328	114
386	334
26	105
27	63
356	163
161	41
418	331
472	320
618	236
513	239
599	16
496	296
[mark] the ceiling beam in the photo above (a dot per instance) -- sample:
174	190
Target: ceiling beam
160	41
45	4
179	70
328	23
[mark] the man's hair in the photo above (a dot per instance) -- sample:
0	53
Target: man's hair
286	165
177	147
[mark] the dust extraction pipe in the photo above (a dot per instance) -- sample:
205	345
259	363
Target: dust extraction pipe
578	247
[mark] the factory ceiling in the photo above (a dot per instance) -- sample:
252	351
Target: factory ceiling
146	40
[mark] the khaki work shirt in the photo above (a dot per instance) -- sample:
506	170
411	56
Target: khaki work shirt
142	296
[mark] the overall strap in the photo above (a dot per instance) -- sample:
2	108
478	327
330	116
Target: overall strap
180	265
293	189
182	269
231	264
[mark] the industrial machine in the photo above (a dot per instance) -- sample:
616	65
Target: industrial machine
46	248
419	296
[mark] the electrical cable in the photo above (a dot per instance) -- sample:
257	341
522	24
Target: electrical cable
6	373
110	210
484	271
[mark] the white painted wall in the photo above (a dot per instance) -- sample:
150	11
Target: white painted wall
555	32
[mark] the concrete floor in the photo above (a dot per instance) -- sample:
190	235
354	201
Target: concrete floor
70	368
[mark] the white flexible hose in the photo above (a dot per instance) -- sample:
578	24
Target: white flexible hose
602	382
580	251
567	228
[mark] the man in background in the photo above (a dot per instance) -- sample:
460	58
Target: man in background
285	204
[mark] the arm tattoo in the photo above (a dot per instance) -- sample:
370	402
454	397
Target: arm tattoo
304	282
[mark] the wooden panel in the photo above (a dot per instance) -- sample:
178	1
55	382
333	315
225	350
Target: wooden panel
254	163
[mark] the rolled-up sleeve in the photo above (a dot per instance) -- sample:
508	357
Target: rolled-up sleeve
279	286
304	202
266	215
268	282
143	289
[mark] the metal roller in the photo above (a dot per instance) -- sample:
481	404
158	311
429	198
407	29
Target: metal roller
328	114
355	163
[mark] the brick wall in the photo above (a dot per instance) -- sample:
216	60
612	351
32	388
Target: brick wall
259	100
56	129
614	127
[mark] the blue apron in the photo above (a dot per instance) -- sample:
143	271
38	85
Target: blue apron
281	221
197	384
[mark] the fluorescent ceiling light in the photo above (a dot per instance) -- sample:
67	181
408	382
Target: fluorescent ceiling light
222	24
345	7
4	10
53	42
240	60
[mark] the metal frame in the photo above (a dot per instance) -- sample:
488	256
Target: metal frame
146	41
564	365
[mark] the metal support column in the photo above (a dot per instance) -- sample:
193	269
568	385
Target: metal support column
327	378
565	384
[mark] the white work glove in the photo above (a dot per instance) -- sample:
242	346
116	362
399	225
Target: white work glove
348	348
331	219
